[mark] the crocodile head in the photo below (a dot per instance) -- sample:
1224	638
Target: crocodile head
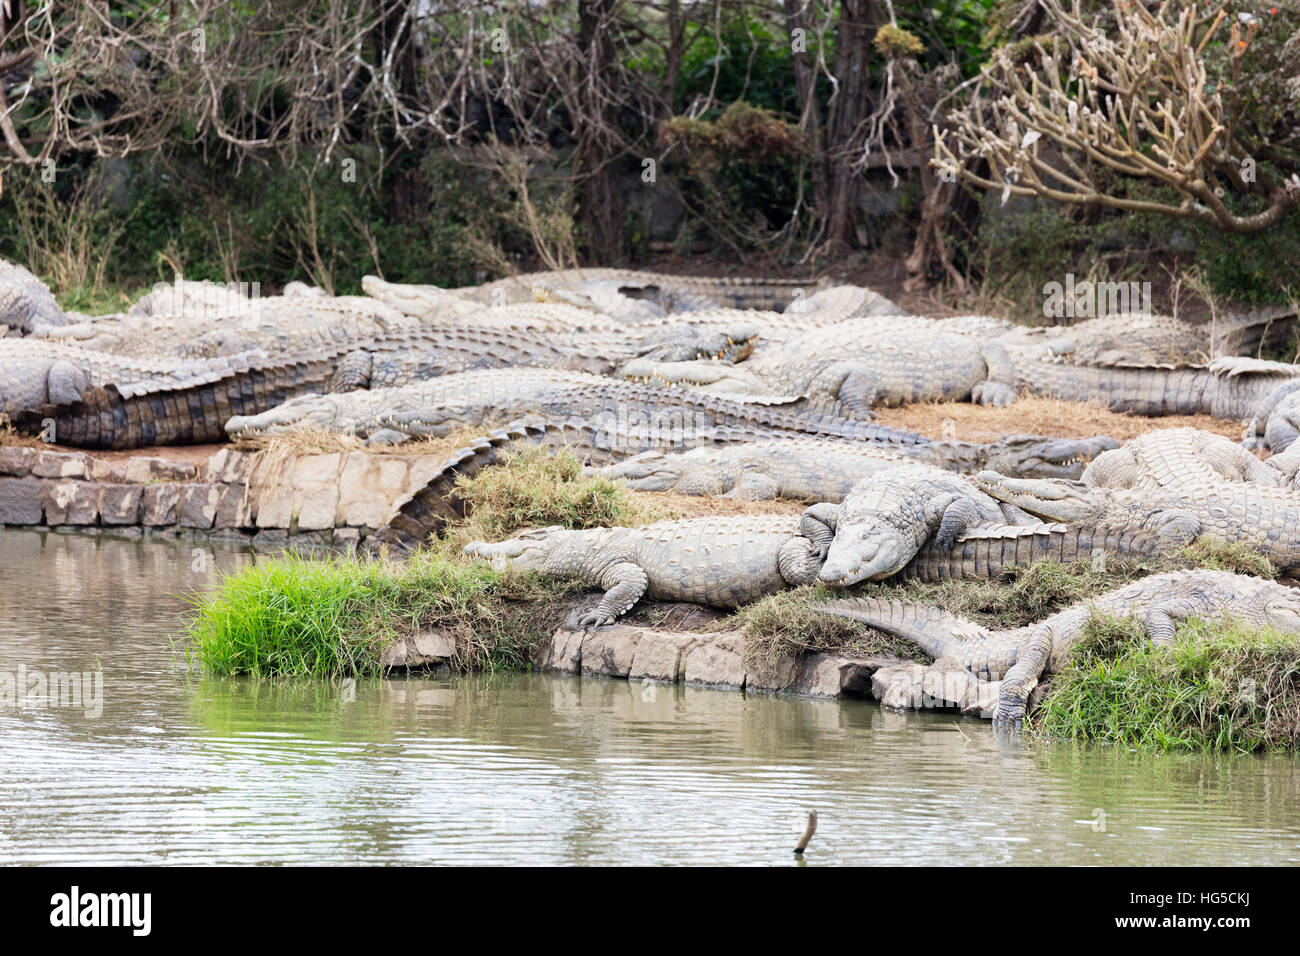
1033	456
709	375
1052	499
864	552
686	473
1283	612
319	410
648	471
528	551
688	343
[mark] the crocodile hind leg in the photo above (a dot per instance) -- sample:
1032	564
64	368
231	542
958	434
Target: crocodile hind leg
624	584
1022	677
353	372
999	387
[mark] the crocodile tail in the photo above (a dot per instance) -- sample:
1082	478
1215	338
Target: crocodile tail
428	512
930	628
986	553
185	411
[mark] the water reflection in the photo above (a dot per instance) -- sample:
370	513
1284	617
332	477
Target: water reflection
535	769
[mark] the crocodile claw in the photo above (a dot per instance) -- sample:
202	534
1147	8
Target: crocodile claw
999	394
595	619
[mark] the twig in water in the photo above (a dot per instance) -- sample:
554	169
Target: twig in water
808	832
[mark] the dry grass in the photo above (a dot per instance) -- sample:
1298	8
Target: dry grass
314	440
1038	416
671	505
10	437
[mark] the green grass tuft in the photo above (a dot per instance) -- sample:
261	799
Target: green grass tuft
295	617
1221	687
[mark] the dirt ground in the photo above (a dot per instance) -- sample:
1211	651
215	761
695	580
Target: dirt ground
963	421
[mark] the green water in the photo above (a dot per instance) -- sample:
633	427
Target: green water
531	769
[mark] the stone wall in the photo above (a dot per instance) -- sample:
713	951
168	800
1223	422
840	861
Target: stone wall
308	501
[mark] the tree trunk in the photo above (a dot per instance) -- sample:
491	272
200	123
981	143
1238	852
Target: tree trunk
805	80
857	27
600	202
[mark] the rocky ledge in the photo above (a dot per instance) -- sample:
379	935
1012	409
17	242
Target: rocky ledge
675	644
306	501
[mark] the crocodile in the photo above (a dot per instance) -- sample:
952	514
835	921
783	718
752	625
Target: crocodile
718	561
192	409
1020	657
26	303
35	373
436	407
1166	456
847	368
815	469
1275	424
619	290
990	552
886	518
1230	387
1265	517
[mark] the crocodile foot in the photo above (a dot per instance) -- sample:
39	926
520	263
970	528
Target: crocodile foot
993	393
1010	713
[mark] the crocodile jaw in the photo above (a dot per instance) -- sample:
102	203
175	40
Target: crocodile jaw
862	557
1051	498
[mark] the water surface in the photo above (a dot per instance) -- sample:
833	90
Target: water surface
178	768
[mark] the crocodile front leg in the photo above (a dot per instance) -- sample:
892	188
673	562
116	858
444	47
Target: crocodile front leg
799	562
817	524
1162	620
999	388
955	517
624	584
1022	677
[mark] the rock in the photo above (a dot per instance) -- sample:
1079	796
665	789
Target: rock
715	660
70	502
609	650
393	654
563	654
114	473
162	503
20	501
316	486
54	464
371	487
898	687
345	540
659	655
838	675
271	540
307	494
228	466
775	677
233	508
199	505
144	470
120	504
17	461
